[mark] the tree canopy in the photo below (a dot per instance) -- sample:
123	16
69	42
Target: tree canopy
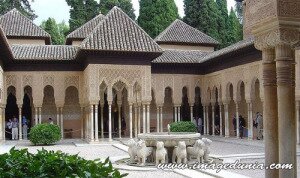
82	11
21	5
125	5
156	15
58	31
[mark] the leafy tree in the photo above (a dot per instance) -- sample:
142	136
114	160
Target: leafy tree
58	32
81	11
22	5
125	5
239	10
156	15
235	28
222	22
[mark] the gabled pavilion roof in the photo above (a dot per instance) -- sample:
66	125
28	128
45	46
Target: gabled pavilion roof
15	24
118	32
181	33
180	56
44	52
85	30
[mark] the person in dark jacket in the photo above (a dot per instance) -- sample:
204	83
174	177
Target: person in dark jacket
241	126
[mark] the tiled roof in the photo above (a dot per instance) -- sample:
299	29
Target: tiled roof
180	32
4	46
230	49
16	24
118	32
84	31
179	56
44	52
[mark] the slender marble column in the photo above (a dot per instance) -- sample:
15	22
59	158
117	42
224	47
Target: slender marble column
130	120
139	119
20	122
135	122
179	114
204	120
40	115
161	120
102	121
213	118
157	119
109	123
226	119
221	119
285	66
61	122
36	116
57	116
237	120
81	121
250	121
92	123
298	121
148	118
270	114
191	111
144	119
96	124
175	109
2	125
119	120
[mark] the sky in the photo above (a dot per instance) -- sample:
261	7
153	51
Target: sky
59	10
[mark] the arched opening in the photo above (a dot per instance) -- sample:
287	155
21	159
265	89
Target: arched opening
11	109
153	113
198	109
231	110
168	114
185	107
257	105
27	108
48	107
243	115
71	113
216	111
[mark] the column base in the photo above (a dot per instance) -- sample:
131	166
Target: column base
250	138
226	136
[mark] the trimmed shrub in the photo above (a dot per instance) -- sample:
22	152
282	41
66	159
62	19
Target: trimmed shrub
44	164
183	126
44	134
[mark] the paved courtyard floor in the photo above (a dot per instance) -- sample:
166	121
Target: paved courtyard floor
228	149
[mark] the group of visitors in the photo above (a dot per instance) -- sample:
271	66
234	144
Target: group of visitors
12	128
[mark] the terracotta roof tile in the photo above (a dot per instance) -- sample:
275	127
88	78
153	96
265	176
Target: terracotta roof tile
118	32
17	25
86	29
179	56
44	52
180	32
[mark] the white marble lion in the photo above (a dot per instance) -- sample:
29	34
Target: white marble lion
206	147
196	151
143	152
161	154
132	149
180	153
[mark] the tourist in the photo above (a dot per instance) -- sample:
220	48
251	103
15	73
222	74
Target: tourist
50	121
195	121
259	123
217	125
241	126
200	125
8	128
234	123
123	126
15	129
24	127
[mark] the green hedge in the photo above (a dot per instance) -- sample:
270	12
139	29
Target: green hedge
44	164
183	126
44	134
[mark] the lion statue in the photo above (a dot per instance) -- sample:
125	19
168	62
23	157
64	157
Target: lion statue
143	152
206	148
196	151
161	154
132	149
179	152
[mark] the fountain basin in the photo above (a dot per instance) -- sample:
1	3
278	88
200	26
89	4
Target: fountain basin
170	140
